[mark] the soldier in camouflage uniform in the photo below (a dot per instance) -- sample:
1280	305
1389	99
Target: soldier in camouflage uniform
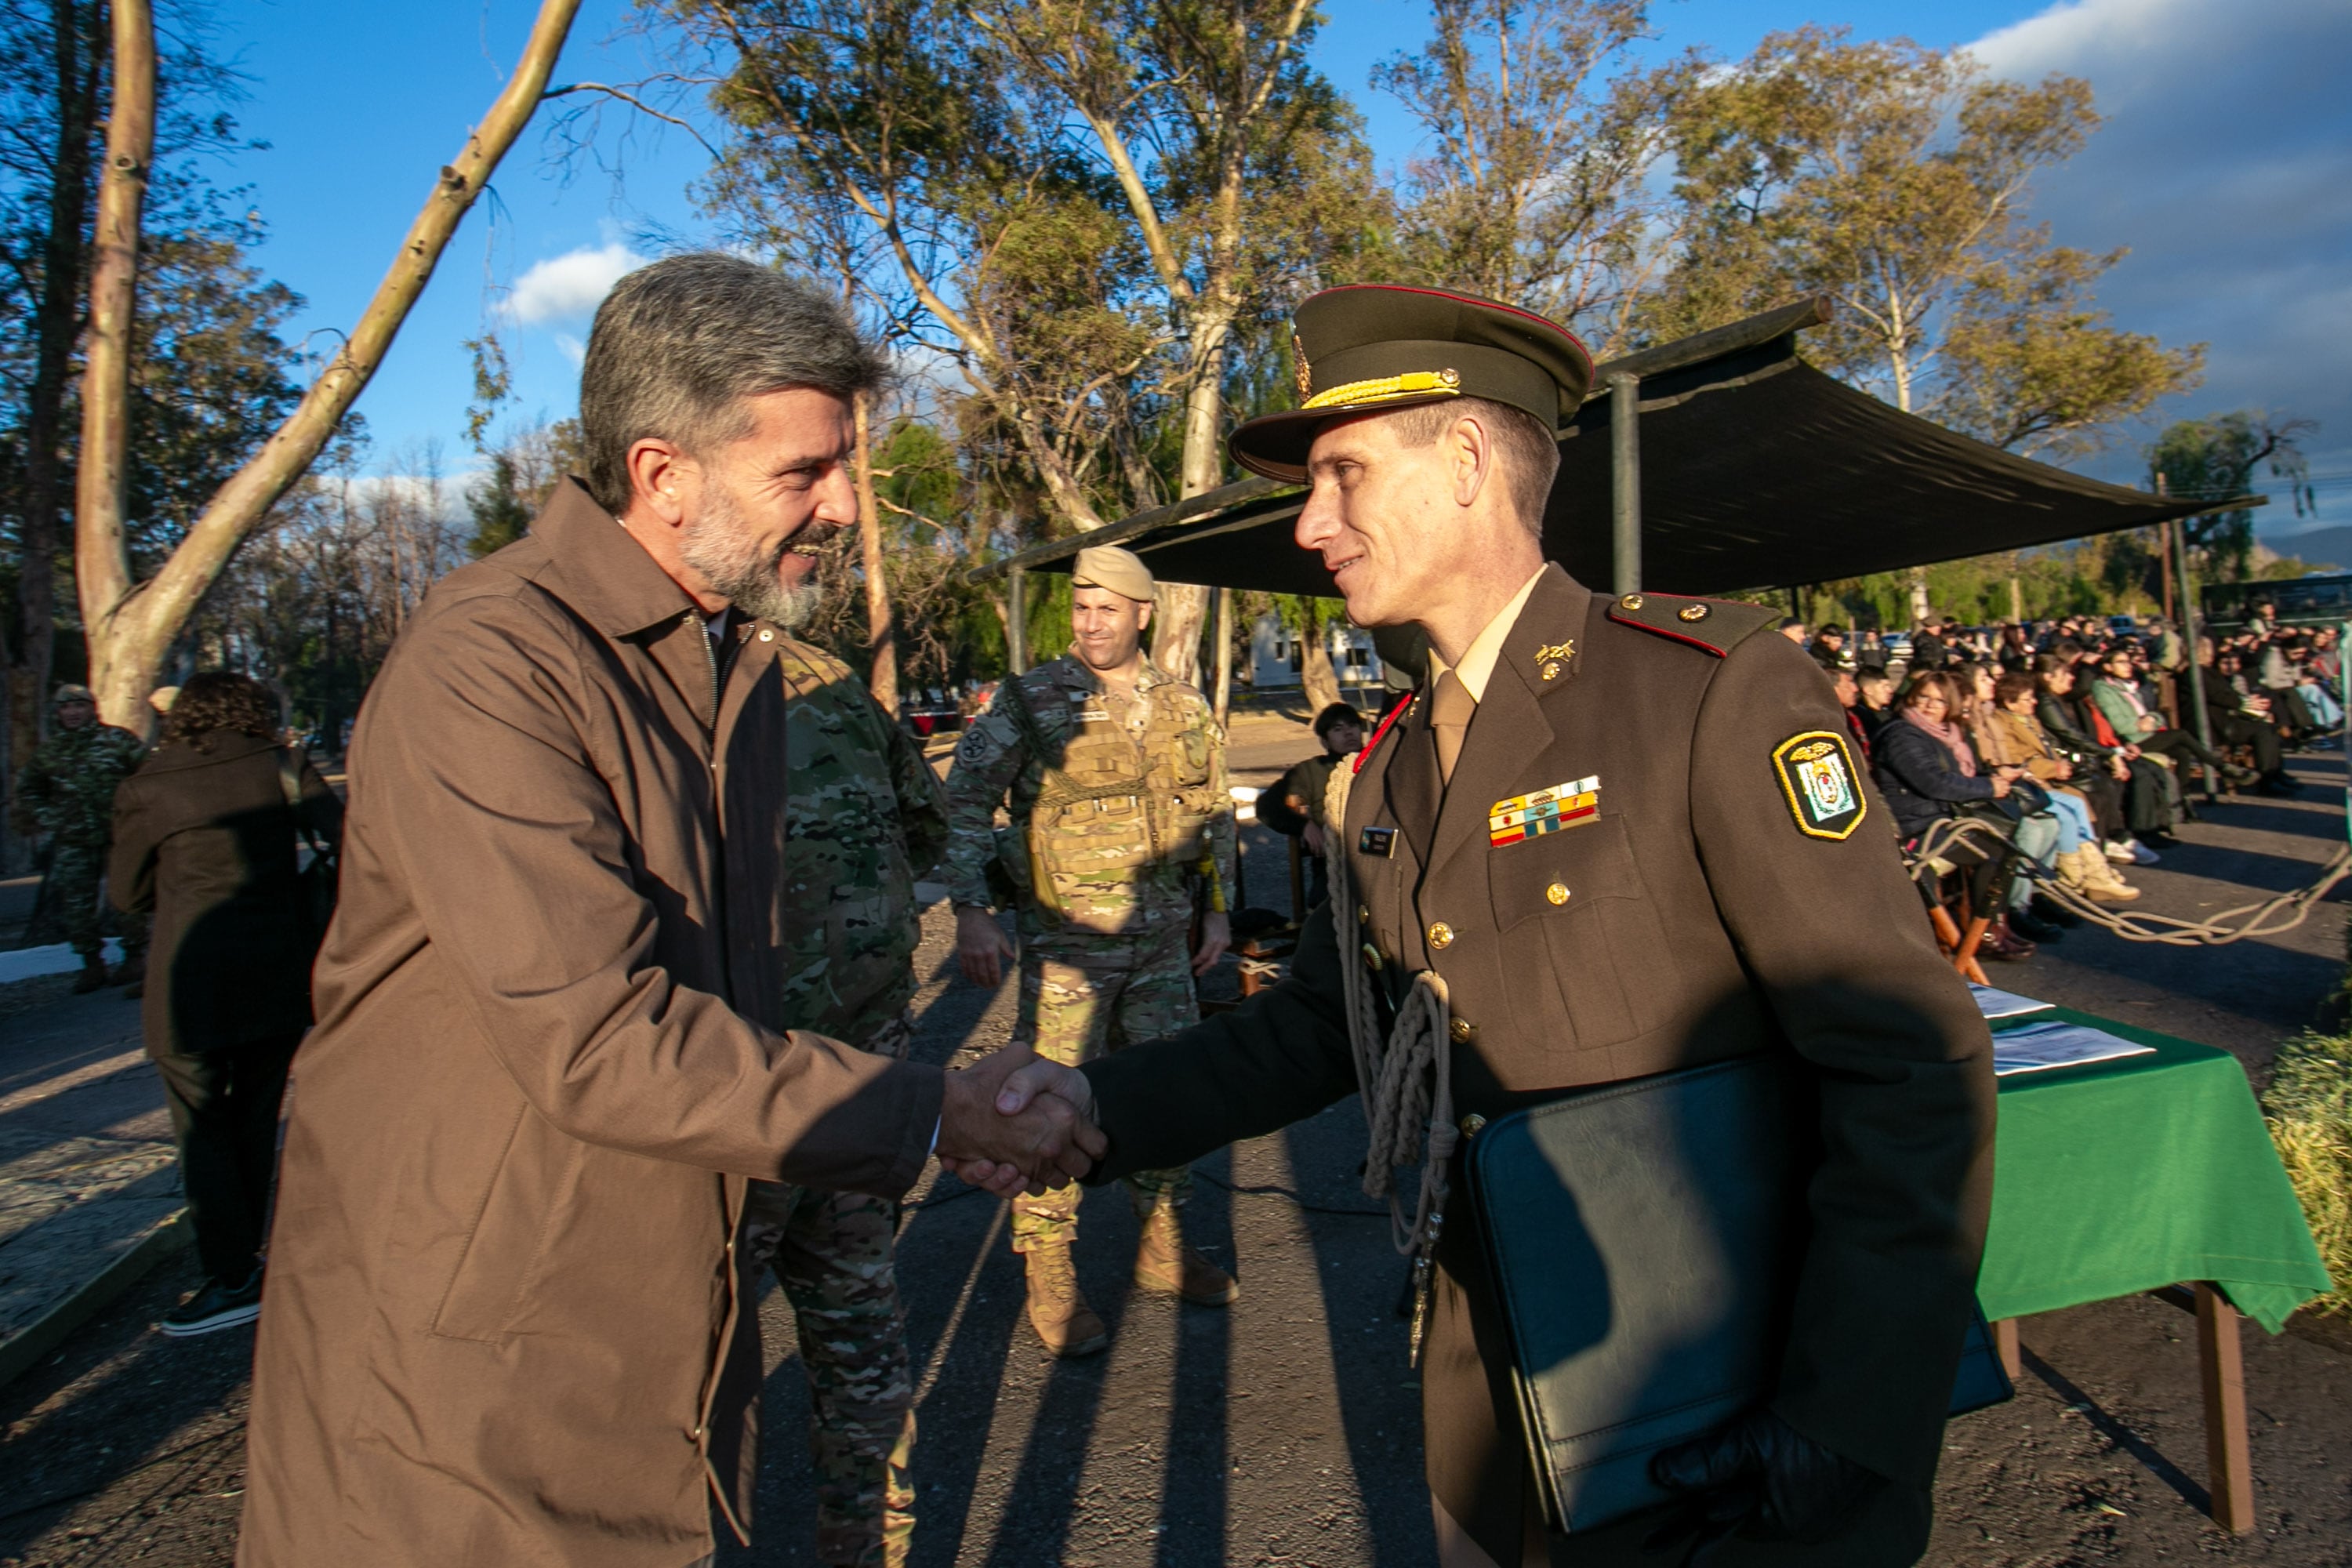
67	792
1119	819
863	817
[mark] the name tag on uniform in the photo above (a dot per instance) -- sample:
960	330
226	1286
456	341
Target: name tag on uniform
1379	841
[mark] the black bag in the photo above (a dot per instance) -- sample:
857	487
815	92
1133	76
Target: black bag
1642	1241
314	883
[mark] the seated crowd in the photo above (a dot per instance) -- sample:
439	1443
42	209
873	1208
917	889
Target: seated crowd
2058	735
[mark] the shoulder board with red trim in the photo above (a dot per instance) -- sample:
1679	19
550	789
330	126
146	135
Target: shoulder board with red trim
1715	626
1398	706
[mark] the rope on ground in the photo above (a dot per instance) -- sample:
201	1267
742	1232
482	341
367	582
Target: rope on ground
2270	917
2273	917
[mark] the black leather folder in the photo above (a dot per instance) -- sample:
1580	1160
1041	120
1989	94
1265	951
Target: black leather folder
1642	1238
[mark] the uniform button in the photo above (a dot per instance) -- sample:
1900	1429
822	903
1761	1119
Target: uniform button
1694	612
1441	935
1556	892
1461	1031
767	636
1372	957
696	1434
1632	601
1363	914
1471	1124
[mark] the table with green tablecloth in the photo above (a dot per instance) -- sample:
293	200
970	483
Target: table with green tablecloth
2139	1174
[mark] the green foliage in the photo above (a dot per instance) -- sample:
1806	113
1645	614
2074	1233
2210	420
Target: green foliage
2214	459
501	514
1892	178
1537	188
211	377
2309	1109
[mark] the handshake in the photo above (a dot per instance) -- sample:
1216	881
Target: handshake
1018	1123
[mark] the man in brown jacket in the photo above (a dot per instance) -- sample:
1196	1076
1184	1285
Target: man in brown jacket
1628	836
504	1322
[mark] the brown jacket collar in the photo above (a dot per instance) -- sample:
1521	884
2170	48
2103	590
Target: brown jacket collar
605	573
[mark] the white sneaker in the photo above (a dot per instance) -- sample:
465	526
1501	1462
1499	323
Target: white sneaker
2120	851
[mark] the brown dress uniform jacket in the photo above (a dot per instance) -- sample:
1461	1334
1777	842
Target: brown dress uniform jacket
1692	919
503	1323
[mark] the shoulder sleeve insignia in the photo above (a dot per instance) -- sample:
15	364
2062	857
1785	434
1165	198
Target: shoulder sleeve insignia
1824	793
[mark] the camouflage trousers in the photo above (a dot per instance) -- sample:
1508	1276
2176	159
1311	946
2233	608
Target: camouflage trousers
835	1254
1080	999
77	874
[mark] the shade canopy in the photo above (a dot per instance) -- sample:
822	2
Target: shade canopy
1757	471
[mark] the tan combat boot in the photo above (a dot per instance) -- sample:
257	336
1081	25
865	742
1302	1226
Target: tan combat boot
1056	1310
1164	1263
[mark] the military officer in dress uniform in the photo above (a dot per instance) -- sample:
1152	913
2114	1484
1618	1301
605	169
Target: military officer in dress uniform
1632	836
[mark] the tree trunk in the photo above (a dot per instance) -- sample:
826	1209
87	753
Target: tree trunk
881	632
131	627
100	556
1176	624
56	320
1320	684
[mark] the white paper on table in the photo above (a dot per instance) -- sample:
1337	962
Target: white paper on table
1998	1003
2038	1046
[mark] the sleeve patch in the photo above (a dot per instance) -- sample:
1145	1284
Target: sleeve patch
1818	776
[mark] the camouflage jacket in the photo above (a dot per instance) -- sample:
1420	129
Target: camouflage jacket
67	789
863	818
1117	826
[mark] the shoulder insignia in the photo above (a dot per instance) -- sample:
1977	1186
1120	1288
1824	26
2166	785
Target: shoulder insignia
1818	776
1715	626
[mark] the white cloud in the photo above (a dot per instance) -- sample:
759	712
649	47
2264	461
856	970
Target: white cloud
2225	164
566	286
571	348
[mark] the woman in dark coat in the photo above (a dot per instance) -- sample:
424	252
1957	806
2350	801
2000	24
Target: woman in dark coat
205	836
1925	769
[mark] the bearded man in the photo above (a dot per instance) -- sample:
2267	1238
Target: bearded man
505	1320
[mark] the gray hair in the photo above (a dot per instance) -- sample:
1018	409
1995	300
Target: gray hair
677	346
1530	453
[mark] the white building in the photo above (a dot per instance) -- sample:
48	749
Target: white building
1278	657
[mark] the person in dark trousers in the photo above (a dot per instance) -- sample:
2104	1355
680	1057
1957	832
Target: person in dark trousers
205	836
1294	806
2243	718
1925	769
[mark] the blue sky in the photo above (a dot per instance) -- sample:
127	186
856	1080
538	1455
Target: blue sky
2226	166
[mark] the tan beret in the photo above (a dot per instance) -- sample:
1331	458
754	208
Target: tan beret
1120	571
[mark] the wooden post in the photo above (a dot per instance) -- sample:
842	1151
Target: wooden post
2228	1466
1626	480
1224	615
2004	1344
1016	621
881	631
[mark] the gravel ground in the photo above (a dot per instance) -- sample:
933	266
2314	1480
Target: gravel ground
1284	1430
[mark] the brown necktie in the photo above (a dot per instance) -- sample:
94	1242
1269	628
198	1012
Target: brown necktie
1450	709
